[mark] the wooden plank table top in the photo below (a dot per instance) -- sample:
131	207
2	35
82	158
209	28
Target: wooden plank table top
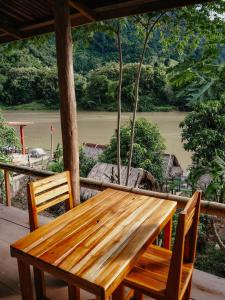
95	245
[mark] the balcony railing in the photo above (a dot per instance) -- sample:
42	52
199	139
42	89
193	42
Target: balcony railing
207	207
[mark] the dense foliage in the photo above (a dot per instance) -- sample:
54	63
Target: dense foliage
203	131
197	79
85	163
95	90
102	84
8	139
148	148
180	38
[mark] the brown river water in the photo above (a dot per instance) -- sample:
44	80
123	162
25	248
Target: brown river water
97	127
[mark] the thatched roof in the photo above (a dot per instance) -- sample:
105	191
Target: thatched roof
27	18
171	166
93	150
204	181
108	173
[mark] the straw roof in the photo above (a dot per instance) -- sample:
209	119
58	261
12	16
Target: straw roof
171	166
108	173
27	18
93	150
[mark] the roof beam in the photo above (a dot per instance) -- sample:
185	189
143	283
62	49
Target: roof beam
83	9
11	31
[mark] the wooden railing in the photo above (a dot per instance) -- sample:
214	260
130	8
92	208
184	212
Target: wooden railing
207	207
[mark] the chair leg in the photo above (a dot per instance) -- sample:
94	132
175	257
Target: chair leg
118	294
138	295
39	282
187	294
73	292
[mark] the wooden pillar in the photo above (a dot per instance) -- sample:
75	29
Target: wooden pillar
22	139
67	94
7	188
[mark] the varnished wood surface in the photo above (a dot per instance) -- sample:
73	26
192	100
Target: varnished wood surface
150	274
207	207
47	192
163	274
96	244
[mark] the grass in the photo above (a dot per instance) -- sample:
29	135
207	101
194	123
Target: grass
40	106
27	106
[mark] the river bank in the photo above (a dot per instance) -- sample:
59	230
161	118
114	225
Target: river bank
98	127
35	106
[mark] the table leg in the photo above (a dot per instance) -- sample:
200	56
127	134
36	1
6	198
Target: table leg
39	282
73	292
25	280
118	294
168	235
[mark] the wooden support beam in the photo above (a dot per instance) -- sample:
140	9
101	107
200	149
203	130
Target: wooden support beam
83	9
68	111
10	30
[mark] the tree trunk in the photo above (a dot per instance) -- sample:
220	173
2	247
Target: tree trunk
149	28
119	103
136	100
68	111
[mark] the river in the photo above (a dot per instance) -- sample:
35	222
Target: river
97	127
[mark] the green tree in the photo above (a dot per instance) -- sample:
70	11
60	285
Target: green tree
8	137
203	131
196	79
86	163
148	147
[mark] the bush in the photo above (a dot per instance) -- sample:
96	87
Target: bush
147	148
26	85
86	163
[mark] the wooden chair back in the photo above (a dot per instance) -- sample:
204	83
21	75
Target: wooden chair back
47	192
184	246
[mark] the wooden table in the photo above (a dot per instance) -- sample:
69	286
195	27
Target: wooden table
94	245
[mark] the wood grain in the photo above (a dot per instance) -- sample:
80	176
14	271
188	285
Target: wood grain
162	274
68	107
95	244
47	192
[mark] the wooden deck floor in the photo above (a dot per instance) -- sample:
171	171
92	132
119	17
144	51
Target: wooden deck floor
14	225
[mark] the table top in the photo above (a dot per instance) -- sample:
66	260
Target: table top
96	244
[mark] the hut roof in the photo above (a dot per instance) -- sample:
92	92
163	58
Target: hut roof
93	150
171	166
204	181
108	173
27	18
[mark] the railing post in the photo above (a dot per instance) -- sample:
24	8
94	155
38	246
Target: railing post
7	188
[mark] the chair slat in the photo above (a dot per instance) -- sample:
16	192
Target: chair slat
52	202
50	178
51	194
41	187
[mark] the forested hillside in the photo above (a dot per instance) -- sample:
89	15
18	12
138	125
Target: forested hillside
28	74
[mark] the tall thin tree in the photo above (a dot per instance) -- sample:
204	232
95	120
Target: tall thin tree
119	92
148	27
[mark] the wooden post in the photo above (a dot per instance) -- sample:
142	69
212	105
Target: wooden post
52	151
67	94
22	139
7	188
